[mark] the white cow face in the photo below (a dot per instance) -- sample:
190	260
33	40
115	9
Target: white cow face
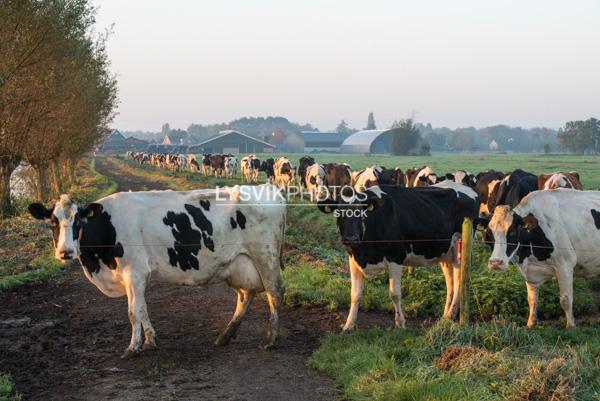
66	224
502	230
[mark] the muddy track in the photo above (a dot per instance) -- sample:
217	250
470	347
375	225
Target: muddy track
69	344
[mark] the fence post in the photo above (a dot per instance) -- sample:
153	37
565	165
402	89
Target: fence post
465	261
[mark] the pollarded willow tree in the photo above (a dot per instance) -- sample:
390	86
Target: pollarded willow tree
57	95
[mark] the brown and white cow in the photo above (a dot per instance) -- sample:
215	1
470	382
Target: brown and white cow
549	234
217	165
126	240
284	173
250	167
338	177
560	180
419	177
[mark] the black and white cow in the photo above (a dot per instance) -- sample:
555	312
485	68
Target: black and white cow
315	181
267	167
550	234
387	227
231	164
513	187
189	238
205	164
486	182
303	164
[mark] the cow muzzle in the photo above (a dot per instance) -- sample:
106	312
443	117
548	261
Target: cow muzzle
66	254
497	265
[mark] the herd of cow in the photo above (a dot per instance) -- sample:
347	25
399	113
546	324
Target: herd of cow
387	218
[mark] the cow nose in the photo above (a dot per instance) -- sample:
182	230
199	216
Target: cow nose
66	254
351	240
495	264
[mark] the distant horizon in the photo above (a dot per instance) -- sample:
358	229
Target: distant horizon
454	64
172	126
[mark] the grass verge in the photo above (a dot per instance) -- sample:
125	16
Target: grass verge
489	361
7	391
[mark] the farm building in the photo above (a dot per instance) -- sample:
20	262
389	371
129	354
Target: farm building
367	141
316	141
233	142
117	143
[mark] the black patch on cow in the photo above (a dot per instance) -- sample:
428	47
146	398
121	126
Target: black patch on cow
205	205
529	241
98	242
203	224
596	216
188	241
241	219
233	223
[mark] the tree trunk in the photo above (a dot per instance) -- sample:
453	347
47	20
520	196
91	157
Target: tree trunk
6	169
43	190
56	180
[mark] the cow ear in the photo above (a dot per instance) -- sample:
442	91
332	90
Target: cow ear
575	174
481	222
326	206
529	222
374	200
39	211
90	211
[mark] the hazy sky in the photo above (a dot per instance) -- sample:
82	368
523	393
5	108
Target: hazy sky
452	63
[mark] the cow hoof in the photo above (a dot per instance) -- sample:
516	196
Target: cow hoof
130	353
149	346
347	330
223	340
269	345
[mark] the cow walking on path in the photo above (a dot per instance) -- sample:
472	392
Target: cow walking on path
127	239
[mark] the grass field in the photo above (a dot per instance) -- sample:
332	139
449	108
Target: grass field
493	359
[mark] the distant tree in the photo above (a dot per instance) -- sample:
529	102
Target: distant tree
580	137
166	129
404	137
371	122
459	139
547	148
425	149
342	127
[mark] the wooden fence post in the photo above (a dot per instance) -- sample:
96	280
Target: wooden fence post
465	261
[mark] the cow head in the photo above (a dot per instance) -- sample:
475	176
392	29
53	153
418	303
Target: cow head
66	222
510	232
351	210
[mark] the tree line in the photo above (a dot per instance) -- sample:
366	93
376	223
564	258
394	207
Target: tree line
57	95
580	137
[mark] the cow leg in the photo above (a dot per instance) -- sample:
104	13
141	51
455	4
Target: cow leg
532	300
564	277
447	269
244	299
455	291
138	317
395	291
357	283
275	298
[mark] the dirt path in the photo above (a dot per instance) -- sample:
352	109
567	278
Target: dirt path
69	343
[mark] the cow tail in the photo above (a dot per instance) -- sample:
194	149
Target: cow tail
281	245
